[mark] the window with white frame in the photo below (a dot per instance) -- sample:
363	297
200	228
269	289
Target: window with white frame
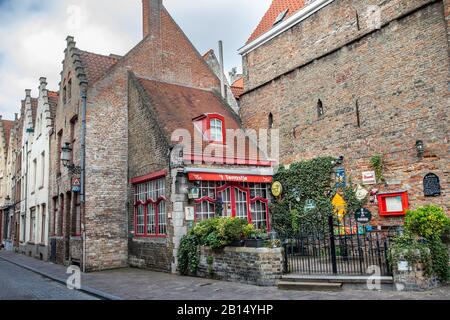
248	201
216	130
150	208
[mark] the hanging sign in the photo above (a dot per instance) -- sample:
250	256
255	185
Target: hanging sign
340	178
76	185
277	189
363	216
310	205
431	185
340	206
369	177
189	213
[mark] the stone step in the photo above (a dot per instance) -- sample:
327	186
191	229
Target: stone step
334	279
309	286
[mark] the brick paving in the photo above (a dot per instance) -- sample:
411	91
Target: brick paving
31	286
136	284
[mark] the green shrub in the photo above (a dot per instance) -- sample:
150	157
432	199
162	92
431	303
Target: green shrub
215	233
429	222
188	255
439	254
406	247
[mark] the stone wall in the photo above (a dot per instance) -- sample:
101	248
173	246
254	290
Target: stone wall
381	90
258	266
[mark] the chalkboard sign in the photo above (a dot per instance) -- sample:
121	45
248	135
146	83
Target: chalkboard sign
431	185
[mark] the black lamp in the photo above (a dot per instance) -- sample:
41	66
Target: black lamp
66	159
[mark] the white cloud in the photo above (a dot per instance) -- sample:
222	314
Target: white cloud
33	34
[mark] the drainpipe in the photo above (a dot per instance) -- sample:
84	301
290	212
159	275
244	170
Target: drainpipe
222	70
83	169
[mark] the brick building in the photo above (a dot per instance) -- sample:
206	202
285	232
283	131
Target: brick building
357	79
179	144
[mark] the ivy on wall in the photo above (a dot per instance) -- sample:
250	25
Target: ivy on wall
308	180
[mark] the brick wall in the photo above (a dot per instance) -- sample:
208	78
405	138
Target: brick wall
258	266
146	158
397	76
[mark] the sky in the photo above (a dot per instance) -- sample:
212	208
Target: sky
33	34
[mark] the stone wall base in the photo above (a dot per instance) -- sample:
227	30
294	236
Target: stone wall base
257	266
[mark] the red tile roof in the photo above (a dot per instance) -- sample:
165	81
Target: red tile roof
176	106
275	9
7	127
238	88
96	65
53	99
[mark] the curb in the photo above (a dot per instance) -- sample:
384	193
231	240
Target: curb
88	290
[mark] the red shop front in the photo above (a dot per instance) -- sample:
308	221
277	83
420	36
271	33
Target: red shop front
246	196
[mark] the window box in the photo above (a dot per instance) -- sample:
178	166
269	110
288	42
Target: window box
393	204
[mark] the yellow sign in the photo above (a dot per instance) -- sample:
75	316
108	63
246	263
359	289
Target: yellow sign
340	206
277	189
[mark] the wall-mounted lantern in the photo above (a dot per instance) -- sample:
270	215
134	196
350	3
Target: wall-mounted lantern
66	159
420	147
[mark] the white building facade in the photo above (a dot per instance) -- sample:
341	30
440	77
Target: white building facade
35	174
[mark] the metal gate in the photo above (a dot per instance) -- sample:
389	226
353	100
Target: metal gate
339	246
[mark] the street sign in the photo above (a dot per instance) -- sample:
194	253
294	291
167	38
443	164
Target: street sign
76	185
363	215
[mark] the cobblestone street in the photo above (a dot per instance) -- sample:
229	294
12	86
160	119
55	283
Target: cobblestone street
17	283
135	284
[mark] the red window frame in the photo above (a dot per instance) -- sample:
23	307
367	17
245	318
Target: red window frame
383	207
155	203
233	186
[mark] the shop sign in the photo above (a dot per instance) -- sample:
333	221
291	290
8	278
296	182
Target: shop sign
310	205
340	178
189	213
277	189
76	185
363	215
431	185
369	177
229	177
361	193
340	206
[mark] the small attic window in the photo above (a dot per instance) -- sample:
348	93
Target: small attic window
281	17
216	130
212	127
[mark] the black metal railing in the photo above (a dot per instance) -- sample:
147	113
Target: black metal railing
339	246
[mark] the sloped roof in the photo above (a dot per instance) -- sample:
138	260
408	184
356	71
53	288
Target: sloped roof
238	87
277	7
96	65
176	106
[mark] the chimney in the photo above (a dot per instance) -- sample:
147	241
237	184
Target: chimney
151	10
16	116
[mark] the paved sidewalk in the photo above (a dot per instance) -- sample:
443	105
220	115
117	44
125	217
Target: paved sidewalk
135	284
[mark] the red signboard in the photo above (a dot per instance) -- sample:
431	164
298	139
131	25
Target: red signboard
229	177
393	204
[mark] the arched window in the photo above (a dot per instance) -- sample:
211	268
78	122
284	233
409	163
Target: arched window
270	120
320	110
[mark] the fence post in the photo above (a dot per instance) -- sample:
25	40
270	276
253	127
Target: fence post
332	243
